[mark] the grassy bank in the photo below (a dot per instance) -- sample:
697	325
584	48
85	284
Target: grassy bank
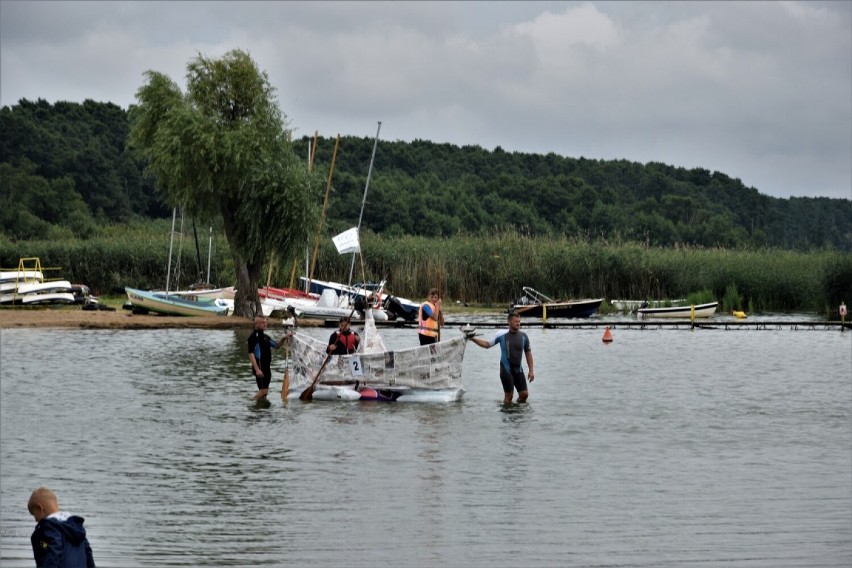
484	271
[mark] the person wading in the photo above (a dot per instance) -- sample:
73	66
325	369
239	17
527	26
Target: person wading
430	319
260	348
514	344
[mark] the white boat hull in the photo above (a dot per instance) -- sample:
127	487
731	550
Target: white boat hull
633	305
680	312
49	298
22	275
42	298
343	292
174	305
210	293
329	306
350	394
50	286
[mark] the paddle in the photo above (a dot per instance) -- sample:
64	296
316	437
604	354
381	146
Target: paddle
308	393
285	384
440	299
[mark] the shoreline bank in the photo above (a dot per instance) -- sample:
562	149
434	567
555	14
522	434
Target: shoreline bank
11	318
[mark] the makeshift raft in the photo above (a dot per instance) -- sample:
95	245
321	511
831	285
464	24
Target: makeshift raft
429	373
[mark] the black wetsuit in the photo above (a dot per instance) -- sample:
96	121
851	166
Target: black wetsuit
513	346
261	345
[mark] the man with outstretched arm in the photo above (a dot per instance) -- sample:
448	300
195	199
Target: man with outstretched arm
513	344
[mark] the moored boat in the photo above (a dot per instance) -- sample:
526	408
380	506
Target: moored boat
330	306
284	293
683	312
633	305
393	306
535	304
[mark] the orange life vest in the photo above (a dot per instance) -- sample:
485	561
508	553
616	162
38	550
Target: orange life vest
428	326
346	343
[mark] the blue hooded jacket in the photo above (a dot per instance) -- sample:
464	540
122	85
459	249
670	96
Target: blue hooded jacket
59	541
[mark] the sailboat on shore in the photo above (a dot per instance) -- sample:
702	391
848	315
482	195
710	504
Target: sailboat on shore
339	300
175	303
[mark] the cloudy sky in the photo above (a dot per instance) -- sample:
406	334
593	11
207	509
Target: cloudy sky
761	91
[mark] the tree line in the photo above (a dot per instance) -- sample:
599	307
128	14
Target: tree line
67	171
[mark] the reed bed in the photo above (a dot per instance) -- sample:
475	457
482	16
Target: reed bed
487	271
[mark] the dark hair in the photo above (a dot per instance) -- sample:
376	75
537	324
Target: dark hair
434	291
513	314
344	319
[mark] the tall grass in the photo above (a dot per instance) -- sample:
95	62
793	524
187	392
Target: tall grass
483	270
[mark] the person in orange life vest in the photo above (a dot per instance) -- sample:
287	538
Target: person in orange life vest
430	319
344	341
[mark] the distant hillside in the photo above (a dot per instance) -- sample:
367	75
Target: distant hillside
65	170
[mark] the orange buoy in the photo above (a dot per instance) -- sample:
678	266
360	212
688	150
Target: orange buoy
607	336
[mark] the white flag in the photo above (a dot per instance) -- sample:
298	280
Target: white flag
347	241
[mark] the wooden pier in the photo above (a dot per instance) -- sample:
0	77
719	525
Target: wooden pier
640	325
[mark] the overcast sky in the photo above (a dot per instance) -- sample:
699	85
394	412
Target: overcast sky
760	91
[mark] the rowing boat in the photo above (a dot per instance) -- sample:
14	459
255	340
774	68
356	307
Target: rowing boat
535	304
687	312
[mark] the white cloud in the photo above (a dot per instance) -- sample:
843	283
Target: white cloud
761	91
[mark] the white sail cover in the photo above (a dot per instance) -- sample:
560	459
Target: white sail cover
437	366
347	241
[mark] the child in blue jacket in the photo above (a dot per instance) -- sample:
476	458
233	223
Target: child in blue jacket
59	539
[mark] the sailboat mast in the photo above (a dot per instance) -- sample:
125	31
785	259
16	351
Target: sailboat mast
171	244
209	253
364	200
322	215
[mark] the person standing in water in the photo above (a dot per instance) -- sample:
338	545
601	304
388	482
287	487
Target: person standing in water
514	344
260	348
430	318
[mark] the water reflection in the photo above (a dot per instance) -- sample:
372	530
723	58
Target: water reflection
626	454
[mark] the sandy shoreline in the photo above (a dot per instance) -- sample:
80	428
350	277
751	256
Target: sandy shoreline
119	319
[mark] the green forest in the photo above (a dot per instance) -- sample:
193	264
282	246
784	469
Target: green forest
480	224
66	172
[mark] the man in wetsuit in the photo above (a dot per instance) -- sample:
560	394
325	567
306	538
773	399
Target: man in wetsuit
513	344
260	348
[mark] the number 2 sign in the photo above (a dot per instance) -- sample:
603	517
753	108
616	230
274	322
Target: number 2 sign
355	365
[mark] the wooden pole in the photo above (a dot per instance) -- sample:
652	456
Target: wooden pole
322	216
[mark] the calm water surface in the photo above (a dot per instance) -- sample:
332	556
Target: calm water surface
664	448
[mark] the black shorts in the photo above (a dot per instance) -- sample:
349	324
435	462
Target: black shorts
264	382
427	339
513	380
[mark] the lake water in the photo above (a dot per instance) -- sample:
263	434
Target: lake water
665	448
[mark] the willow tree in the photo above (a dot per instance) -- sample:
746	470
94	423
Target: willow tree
223	149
